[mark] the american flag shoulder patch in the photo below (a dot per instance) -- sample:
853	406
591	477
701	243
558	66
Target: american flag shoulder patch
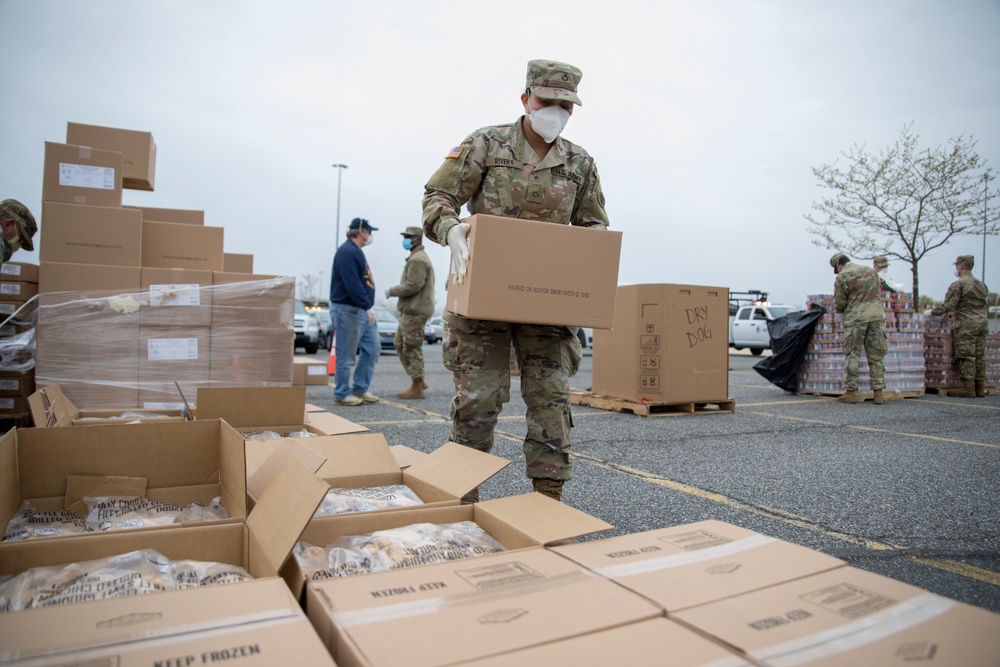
455	152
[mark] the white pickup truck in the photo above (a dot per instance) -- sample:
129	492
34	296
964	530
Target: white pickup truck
748	325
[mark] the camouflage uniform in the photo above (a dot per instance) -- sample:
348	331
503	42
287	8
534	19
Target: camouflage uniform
857	296
966	298
11	209
495	171
416	304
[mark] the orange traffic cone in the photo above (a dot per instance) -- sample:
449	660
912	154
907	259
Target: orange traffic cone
331	368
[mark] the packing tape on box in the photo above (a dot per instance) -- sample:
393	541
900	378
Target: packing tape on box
897	618
85	152
678	560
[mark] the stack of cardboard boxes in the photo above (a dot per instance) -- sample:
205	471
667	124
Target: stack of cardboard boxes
942	373
136	302
18	284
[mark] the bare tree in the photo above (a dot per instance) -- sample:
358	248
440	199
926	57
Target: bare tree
904	201
308	288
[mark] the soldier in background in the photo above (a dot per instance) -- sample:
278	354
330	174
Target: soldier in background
526	170
966	298
857	296
18	228
416	304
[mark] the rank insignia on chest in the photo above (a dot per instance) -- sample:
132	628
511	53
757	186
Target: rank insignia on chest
455	152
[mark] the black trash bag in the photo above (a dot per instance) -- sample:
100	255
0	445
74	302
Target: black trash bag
790	336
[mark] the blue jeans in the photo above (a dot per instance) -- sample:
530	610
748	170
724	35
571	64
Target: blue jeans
354	332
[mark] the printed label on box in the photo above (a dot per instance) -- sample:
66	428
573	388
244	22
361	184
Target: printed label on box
7	331
174	295
10	288
849	601
6	403
10	385
7	309
86	176
10	269
172	349
499	574
316	370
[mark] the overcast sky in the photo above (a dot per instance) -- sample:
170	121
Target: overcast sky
705	118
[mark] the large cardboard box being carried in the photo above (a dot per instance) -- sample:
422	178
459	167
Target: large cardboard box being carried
451	612
670	344
82	175
137	148
50	407
538	273
697	563
849	616
255	622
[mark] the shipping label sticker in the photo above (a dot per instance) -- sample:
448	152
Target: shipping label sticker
10	288
6	403
172	349
316	370
175	295
10	269
9	385
86	176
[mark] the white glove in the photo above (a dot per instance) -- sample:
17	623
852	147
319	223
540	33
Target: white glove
387	295
371	316
459	250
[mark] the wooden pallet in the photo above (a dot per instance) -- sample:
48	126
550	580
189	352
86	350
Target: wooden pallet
868	396
941	390
646	409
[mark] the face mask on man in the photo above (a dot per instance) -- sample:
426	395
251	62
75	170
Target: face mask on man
548	122
370	240
407	243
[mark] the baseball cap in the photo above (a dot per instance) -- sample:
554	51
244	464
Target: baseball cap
20	214
361	223
551	80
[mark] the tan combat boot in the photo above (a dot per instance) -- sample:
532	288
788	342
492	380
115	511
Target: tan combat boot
879	398
549	487
416	390
968	390
980	389
850	396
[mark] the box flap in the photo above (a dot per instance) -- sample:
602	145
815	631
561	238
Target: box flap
455	468
252	406
50	407
79	487
354	454
281	514
10	499
286	448
543	519
406	456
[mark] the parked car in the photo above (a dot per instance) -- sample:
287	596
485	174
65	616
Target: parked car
387	324
434	330
306	329
586	336
325	328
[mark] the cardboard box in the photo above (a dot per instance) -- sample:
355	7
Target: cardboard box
181	215
670	344
516	522
329	423
12	291
172	245
256	623
181	462
849	616
66	277
237	263
538	273
249	301
697	563
255	408
309	371
13	406
176	297
19	272
248	357
50	408
82	175
90	234
137	148
406	456
642	644
17	383
451	612
173	364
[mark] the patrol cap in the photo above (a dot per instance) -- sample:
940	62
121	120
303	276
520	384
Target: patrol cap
968	260
19	213
838	259
551	80
361	223
412	231
881	262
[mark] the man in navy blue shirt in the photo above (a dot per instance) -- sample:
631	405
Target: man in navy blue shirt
352	304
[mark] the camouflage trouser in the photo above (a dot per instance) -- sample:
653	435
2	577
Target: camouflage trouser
478	353
871	336
969	343
409	344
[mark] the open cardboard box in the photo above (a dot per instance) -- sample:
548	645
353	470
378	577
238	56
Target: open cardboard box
257	622
466	609
51	407
697	563
516	522
178	462
279	409
849	616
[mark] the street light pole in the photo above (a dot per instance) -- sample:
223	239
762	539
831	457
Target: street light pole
340	170
986	199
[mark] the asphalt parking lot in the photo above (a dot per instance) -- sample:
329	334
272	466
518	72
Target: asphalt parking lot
910	489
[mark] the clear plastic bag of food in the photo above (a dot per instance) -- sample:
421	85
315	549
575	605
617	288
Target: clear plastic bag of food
261	435
124	512
367	499
407	546
28	523
299	434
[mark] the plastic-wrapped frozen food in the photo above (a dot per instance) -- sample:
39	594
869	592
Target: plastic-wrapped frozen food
28	523
132	573
407	546
366	499
261	435
123	512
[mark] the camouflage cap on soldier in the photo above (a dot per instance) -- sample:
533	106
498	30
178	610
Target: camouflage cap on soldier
838	259
551	80
412	231
881	262
19	213
968	260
